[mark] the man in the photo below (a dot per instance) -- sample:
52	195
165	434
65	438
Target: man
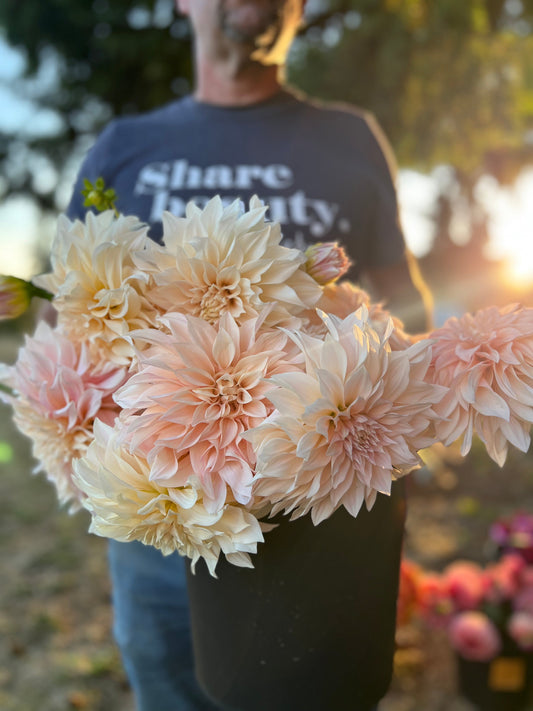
326	175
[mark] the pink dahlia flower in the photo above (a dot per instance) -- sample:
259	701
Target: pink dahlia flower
347	426
58	394
486	361
474	636
520	628
127	505
199	387
343	299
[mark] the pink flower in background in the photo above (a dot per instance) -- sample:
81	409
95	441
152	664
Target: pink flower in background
515	534
474	636
127	506
523	602
464	583
434	600
504	578
199	387
520	628
326	262
486	361
348	426
408	592
58	394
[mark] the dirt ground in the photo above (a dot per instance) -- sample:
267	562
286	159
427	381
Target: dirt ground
56	649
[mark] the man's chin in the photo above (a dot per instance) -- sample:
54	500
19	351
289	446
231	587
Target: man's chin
248	21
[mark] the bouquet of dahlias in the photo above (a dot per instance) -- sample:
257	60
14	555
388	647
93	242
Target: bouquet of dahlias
192	389
482	609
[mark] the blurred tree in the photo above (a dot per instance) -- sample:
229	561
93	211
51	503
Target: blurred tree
102	59
450	81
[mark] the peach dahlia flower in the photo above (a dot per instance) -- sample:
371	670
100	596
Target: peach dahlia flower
343	299
100	293
486	361
58	393
223	260
127	506
348	425
199	387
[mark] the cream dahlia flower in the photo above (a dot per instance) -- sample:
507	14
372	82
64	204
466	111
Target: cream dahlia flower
100	293
486	362
349	425
58	393
127	506
199	387
343	299
220	260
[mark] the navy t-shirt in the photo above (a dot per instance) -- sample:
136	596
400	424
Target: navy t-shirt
322	170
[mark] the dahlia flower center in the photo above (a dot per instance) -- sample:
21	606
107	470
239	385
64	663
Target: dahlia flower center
217	299
226	394
226	388
111	302
478	347
358	436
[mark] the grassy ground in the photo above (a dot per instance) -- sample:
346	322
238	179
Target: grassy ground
56	650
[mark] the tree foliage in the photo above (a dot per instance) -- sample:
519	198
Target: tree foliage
450	81
110	58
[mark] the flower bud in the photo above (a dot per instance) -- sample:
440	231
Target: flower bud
15	297
326	262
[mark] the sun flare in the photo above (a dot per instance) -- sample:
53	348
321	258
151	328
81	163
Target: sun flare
512	231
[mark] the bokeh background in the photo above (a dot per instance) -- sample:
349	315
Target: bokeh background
451	83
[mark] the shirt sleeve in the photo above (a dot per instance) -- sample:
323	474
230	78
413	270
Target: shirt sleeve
386	243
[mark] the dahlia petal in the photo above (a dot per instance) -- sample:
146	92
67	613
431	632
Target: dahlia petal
491	404
354	498
516	434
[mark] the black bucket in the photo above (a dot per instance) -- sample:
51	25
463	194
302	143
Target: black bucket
312	626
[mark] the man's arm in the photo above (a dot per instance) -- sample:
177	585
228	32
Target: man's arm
403	291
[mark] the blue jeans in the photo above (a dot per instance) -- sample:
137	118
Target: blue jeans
152	628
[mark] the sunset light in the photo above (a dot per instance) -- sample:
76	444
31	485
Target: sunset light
511	228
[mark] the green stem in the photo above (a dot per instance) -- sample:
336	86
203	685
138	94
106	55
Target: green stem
41	293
